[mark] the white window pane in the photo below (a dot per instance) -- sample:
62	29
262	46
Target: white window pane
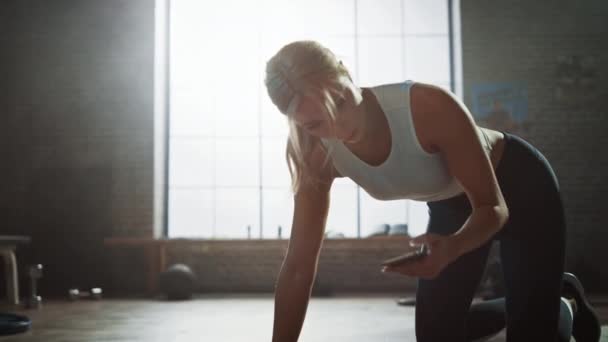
344	181
190	213
426	17
274	165
188	25
274	123
380	61
445	86
237	111
229	62
379	17
191	116
418	217
427	59
281	16
342	217
188	67
322	17
186	74
237	162
227	16
308	17
278	211
375	212
236	84
235	210
191	162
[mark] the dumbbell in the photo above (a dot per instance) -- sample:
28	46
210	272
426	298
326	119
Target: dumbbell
75	294
34	300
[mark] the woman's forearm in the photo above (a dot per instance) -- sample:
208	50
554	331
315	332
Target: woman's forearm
291	301
483	223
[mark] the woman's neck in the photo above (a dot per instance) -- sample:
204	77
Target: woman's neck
369	122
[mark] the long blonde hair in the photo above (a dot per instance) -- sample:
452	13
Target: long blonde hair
303	68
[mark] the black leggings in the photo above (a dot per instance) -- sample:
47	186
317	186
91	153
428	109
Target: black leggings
486	319
532	245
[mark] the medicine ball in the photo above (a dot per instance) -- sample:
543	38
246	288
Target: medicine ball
177	282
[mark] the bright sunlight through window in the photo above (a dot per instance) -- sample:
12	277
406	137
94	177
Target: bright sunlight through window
228	178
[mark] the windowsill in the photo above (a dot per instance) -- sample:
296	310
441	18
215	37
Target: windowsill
135	241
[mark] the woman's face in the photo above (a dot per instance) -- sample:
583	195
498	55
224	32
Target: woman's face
349	114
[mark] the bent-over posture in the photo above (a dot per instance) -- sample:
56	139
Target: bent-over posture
413	140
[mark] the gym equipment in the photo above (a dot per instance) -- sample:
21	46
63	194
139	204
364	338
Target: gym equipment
177	282
8	245
399	229
380	230
95	294
11	324
34	301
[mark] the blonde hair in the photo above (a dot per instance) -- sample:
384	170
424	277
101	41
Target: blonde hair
303	68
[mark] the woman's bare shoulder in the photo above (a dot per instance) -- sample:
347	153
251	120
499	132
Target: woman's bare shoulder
422	96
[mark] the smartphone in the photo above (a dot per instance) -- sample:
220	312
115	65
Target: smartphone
416	254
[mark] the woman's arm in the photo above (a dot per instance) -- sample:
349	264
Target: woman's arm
300	266
296	278
451	130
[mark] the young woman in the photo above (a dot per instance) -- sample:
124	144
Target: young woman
417	141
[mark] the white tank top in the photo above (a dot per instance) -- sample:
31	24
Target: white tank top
409	172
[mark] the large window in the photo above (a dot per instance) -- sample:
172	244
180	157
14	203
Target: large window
227	173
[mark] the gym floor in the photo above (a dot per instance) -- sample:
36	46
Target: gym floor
227	318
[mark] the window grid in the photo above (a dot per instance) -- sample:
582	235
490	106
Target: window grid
261	187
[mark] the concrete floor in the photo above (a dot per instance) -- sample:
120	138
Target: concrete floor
226	318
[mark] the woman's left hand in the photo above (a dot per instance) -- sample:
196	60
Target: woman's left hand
442	251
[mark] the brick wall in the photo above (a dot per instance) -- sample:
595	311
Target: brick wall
344	265
76	130
528	42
